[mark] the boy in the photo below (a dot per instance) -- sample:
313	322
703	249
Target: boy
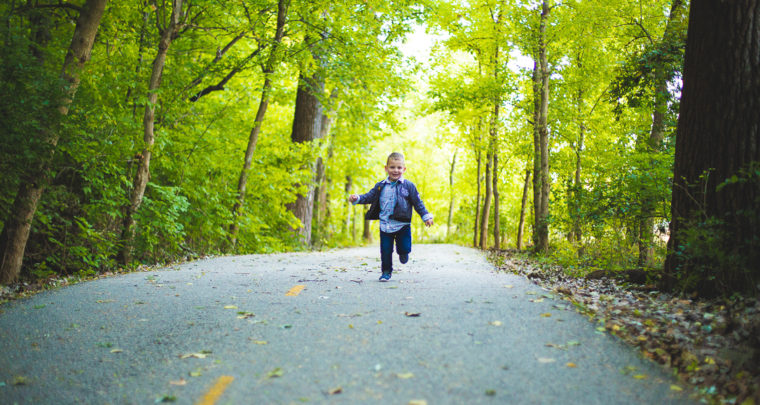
391	202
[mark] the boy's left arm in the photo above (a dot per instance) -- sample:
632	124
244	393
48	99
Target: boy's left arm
419	206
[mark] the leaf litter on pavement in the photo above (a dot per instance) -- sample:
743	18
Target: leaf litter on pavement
711	344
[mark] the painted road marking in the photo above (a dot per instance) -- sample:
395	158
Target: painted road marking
295	290
216	391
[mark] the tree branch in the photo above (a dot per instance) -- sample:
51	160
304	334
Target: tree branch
220	86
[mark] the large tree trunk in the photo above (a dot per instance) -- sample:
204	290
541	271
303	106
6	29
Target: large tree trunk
575	231
15	232
541	179
451	194
253	137
657	132
475	232
521	224
320	170
167	35
307	126
348	187
718	136
486	201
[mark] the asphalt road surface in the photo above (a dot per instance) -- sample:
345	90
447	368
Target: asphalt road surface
317	328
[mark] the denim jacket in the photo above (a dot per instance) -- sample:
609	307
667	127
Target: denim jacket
407	197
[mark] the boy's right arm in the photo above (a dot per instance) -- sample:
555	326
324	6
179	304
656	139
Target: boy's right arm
365	198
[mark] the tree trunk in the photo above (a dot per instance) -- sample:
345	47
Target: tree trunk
307	126
367	234
167	35
253	137
495	189
486	202
348	187
718	137
17	226
521	224
320	192
575	232
541	179
477	196
451	194
657	134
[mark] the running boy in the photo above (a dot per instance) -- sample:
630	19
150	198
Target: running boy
391	202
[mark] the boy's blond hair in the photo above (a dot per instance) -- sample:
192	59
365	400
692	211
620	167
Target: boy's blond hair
395	156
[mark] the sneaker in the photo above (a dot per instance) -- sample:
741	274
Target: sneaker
385	277
403	258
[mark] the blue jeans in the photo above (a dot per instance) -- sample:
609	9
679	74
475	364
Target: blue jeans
403	239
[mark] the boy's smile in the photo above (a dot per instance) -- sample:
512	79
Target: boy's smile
395	168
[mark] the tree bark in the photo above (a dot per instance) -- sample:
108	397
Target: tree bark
17	226
521	224
320	168
253	137
451	194
486	201
718	136
574	206
367	234
167	34
657	133
307	125
541	135
479	154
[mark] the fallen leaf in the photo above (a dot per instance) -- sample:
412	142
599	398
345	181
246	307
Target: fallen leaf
495	323
537	300
573	343
196	355
571	365
166	398
195	373
181	381
546	315
116	351
277	372
245	315
676	388
20	380
640	376
334	391
508	286
544	360
260	342
230	307
412	314
490	393
417	402
104	301
404	376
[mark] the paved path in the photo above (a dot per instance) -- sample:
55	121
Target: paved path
480	337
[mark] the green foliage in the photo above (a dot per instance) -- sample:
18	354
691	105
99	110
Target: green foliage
711	257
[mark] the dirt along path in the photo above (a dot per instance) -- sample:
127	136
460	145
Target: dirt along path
317	328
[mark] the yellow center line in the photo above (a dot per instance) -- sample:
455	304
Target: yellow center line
216	391
295	290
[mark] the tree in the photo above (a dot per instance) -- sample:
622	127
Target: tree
714	234
268	70
541	179
16	228
168	32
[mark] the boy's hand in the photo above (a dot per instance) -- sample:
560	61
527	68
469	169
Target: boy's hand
429	222
353	197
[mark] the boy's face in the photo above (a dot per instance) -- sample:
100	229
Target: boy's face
395	168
